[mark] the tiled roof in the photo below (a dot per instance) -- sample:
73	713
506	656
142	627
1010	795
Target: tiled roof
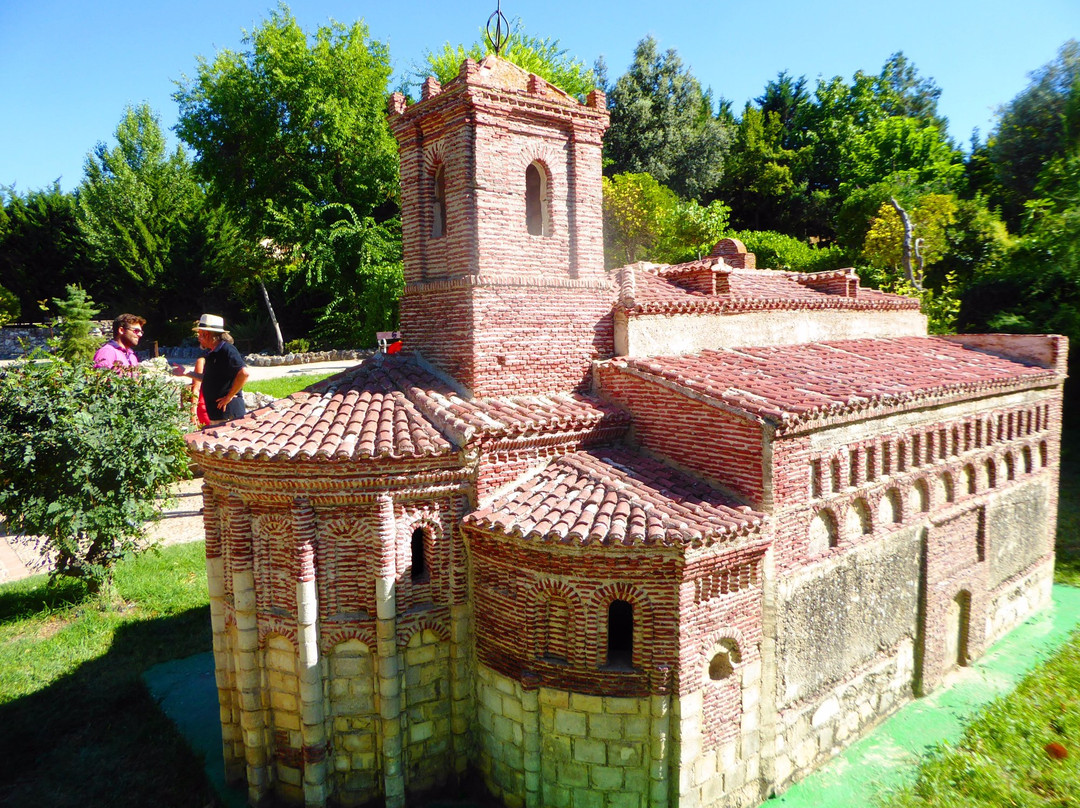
749	290
357	414
615	497
392	407
793	383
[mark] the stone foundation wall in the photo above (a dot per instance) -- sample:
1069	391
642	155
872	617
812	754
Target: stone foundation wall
810	732
552	749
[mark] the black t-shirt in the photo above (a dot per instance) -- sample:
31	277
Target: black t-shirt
222	365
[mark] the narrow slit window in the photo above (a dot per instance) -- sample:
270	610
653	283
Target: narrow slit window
620	650
438	210
419	557
536	212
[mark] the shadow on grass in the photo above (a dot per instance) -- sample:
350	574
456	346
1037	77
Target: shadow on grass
96	737
21	600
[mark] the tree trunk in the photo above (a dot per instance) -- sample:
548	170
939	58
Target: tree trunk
909	273
273	318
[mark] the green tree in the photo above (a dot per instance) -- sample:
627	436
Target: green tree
662	123
1031	131
761	176
41	247
135	204
290	135
76	311
9	306
543	56
644	220
84	455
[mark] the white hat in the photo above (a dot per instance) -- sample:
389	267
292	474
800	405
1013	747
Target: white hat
210	322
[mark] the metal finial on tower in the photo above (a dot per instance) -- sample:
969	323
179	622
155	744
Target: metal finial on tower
502	29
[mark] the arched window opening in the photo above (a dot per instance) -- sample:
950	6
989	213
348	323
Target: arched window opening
419	557
438	210
922	495
859	522
969	479
1027	460
991	473
823	533
536	212
1010	467
723	662
620	645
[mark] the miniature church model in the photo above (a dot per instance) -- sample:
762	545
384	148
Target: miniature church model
657	536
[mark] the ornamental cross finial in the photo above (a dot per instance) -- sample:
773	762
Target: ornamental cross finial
502	29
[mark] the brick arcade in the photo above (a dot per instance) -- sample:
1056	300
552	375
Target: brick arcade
657	536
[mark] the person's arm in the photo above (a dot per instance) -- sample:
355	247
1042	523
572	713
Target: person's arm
196	385
237	385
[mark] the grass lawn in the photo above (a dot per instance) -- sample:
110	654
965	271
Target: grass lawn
285	385
78	727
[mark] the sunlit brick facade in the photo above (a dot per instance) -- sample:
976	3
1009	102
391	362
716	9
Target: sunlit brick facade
657	536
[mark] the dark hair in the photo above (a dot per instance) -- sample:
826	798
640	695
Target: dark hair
126	321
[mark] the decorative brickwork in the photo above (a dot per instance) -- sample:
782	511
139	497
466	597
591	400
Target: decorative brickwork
668	538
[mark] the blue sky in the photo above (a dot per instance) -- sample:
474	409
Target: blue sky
68	69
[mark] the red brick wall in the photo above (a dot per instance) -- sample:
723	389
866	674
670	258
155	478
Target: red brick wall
693	435
511	579
498	340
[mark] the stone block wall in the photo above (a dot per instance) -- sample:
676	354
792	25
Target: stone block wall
548	748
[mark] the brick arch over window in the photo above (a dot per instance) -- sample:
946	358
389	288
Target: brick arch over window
275	561
432	538
331	638
417	627
643	628
725	640
537	199
555	620
343	558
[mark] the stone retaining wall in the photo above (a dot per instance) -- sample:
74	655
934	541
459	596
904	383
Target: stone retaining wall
13	337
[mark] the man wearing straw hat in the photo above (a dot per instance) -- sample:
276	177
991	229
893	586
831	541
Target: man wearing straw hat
224	375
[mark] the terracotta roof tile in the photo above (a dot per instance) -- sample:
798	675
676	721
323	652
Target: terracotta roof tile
357	414
615	497
391	406
749	290
793	383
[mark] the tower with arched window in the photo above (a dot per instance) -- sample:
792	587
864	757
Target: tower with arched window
501	212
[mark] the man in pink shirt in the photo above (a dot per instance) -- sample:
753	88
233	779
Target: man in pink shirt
120	350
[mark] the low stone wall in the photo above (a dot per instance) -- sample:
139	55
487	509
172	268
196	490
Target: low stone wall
20	338
339	355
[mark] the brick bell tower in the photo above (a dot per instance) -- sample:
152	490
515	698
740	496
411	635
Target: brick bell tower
505	288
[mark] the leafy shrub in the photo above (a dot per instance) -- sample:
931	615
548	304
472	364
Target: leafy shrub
297	346
76	312
777	251
9	306
84	454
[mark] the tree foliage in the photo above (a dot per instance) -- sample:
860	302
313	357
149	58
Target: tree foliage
291	138
76	311
135	205
1031	130
662	123
42	248
84	454
644	220
543	56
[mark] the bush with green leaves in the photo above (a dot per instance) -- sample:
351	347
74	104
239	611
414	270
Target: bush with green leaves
85	454
777	251
9	307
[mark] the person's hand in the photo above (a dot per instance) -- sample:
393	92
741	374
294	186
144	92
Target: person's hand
178	370
223	402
